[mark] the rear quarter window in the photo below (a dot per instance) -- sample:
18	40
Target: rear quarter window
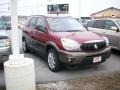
32	22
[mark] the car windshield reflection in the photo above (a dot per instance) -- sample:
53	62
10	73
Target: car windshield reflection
66	24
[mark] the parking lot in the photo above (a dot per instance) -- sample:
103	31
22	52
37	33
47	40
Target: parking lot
44	75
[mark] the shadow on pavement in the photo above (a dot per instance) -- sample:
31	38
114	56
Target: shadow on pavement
116	52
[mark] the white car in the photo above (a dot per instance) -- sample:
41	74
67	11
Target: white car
107	27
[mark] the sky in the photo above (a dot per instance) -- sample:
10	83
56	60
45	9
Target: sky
87	7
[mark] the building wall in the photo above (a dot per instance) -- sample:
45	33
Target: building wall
110	13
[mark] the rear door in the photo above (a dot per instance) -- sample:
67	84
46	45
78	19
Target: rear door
41	35
29	31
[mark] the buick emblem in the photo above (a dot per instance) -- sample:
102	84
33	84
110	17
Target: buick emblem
95	46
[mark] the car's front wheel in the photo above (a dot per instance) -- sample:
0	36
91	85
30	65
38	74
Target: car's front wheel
53	60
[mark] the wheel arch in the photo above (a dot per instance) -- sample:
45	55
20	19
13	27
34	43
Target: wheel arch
51	45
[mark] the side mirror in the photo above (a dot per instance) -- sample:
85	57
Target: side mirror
115	28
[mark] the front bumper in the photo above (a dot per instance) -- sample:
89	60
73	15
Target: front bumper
74	58
4	53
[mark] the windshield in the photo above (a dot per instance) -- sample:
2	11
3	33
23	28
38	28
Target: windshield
65	24
1	25
118	22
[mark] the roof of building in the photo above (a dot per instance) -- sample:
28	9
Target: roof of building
106	9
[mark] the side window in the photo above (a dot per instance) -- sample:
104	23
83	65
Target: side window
100	24
109	24
40	24
91	24
32	23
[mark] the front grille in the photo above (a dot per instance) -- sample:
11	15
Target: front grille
93	45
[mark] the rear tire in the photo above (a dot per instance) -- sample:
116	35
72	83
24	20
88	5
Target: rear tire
24	46
53	60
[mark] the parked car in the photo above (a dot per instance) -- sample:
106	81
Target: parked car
107	27
8	25
5	45
64	41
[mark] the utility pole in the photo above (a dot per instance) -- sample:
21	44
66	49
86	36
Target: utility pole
19	71
79	9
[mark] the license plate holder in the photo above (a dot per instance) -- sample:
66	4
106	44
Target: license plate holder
97	59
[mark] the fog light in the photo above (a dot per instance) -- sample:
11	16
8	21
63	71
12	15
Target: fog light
69	59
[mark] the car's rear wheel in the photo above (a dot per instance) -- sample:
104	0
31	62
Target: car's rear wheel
24	46
53	61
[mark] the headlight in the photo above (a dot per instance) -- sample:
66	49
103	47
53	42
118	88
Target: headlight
106	40
4	42
70	45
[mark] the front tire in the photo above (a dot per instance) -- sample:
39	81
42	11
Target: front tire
53	61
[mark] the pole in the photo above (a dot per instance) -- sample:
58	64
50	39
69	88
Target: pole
19	71
14	23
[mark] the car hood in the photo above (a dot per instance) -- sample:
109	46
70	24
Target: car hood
80	37
3	34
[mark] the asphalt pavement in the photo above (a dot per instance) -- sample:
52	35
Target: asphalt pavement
44	75
100	82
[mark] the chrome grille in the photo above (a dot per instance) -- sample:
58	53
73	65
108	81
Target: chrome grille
93	45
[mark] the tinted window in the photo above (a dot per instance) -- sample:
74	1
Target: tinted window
91	24
32	23
100	24
65	24
1	25
109	24
40	24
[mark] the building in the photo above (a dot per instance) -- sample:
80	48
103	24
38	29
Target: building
107	13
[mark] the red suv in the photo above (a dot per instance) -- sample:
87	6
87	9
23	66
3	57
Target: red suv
63	40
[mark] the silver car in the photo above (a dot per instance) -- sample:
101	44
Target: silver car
107	27
5	45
